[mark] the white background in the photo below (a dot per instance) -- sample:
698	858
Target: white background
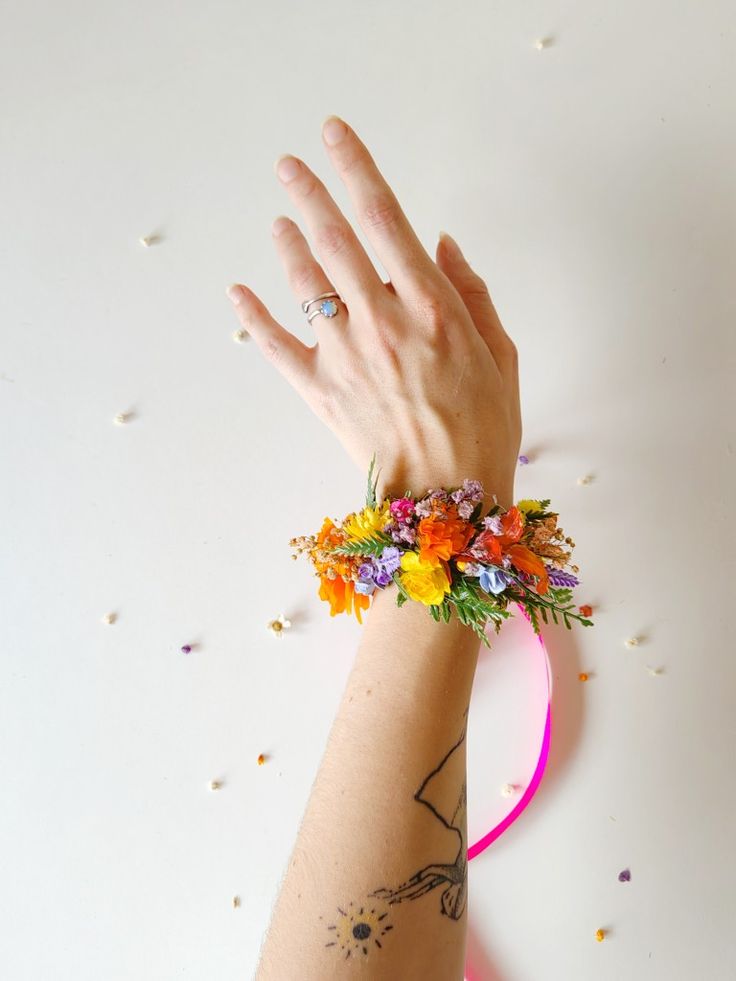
592	184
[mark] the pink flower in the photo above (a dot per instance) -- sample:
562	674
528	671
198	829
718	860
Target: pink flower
402	509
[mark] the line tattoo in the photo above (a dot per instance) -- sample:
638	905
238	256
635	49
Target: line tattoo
444	792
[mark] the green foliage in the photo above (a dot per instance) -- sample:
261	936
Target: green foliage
372	546
370	496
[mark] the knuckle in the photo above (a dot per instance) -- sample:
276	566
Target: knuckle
432	310
332	239
303	277
307	186
382	212
271	350
476	286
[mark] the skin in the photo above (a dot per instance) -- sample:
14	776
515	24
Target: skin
419	371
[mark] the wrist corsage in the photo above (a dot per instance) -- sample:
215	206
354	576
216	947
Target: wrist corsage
440	550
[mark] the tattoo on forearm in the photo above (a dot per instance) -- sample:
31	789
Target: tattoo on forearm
443	792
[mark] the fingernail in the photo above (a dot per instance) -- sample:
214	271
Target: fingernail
450	244
287	167
333	130
280	225
235	293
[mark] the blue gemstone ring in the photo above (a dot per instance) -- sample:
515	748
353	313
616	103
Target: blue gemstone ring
325	305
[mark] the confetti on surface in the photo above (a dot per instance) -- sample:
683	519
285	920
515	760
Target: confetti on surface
583	676
110	618
624	876
523	460
121	418
632	641
586	610
240	335
600	936
186	649
261	759
236	902
215	784
279	625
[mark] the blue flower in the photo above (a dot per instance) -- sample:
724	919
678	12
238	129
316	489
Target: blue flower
493	580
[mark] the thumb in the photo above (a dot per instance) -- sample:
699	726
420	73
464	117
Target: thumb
476	297
471	287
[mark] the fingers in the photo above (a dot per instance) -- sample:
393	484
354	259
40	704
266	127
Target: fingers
477	299
290	356
376	206
346	261
305	275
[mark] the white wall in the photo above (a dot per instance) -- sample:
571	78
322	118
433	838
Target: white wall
592	184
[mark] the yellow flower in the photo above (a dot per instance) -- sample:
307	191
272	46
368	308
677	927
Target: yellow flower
422	580
363	524
528	505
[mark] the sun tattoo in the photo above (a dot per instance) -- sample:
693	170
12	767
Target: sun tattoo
356	928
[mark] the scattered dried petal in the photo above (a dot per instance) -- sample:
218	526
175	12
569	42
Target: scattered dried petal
624	876
110	618
236	902
508	790
215	784
585	480
586	610
240	335
655	672
261	759
523	459
583	676
186	649
600	935
632	642
121	418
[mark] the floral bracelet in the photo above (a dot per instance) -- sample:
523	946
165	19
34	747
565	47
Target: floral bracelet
440	550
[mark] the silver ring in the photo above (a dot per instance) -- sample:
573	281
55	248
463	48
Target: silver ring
327	307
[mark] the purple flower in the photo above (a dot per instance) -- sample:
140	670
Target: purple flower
365	572
493	579
390	558
559	578
423	508
465	509
493	523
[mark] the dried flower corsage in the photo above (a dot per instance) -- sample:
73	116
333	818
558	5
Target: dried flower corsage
443	552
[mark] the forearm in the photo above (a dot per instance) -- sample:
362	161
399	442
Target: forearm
382	831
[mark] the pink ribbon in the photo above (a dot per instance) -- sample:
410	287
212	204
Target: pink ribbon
498	829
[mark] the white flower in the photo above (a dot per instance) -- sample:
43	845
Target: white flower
279	625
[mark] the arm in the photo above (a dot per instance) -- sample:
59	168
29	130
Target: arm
419	372
385	830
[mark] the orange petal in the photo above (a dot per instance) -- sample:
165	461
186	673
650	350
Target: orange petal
527	561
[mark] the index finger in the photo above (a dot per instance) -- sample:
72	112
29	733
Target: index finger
380	215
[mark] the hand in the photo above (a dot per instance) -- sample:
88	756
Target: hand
418	369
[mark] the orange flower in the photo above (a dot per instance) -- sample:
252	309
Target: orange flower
441	539
329	534
528	562
342	597
512	524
